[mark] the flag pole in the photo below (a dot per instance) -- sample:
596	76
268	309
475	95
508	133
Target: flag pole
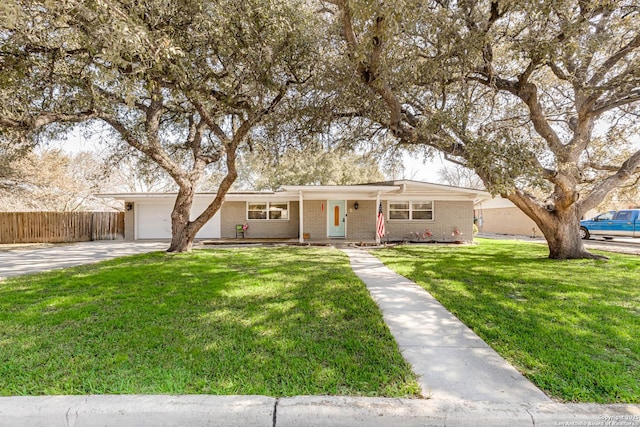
301	217
376	218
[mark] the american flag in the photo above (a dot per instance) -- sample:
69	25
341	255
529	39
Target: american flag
380	222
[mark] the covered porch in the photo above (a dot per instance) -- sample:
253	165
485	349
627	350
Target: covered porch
315	214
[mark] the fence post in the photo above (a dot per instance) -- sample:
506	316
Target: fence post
91	227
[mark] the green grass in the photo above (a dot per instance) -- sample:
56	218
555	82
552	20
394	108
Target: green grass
572	327
276	322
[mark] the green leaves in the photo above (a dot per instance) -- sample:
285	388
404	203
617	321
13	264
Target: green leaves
186	83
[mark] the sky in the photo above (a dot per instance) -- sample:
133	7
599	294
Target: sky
418	170
75	143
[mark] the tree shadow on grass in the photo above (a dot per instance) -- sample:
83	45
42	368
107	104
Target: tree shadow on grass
259	321
570	326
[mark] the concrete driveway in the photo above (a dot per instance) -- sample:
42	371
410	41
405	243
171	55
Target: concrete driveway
33	259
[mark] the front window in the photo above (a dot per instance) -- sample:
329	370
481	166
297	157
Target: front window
268	210
399	210
422	210
278	210
418	211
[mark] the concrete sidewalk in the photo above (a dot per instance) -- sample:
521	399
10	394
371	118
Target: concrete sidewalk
300	411
452	361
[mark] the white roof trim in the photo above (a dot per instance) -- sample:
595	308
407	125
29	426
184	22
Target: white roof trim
340	188
395	190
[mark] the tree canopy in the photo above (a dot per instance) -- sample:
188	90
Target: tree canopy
185	83
52	180
540	99
530	95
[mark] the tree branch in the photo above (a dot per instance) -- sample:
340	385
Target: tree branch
630	167
582	71
194	142
116	98
608	168
557	71
528	92
156	153
211	123
613	60
524	77
606	105
368	72
46	119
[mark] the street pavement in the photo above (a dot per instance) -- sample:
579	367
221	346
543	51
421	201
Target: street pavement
623	245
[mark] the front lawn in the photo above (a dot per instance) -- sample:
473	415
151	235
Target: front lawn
572	327
268	321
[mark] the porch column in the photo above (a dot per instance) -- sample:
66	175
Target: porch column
301	217
375	221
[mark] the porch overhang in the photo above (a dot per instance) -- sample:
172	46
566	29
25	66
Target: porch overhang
339	192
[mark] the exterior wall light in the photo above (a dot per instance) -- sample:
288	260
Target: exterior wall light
356	205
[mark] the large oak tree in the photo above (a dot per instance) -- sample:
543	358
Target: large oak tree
535	97
185	83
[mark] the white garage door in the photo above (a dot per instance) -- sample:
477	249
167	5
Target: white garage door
153	221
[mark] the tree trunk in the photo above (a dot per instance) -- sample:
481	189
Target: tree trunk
563	238
561	228
182	241
182	234
183	230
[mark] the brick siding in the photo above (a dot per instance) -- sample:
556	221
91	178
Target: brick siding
446	216
234	213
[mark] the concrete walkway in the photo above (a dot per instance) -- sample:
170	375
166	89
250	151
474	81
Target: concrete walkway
467	383
451	360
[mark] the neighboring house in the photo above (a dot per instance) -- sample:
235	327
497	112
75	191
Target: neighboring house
317	213
501	216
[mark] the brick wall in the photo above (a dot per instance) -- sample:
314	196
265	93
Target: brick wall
315	219
233	213
361	223
446	216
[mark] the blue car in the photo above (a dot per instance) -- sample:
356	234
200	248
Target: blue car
611	224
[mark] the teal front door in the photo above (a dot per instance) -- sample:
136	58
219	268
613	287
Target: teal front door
336	218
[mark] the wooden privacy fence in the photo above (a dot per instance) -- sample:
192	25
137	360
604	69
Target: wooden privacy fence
59	227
